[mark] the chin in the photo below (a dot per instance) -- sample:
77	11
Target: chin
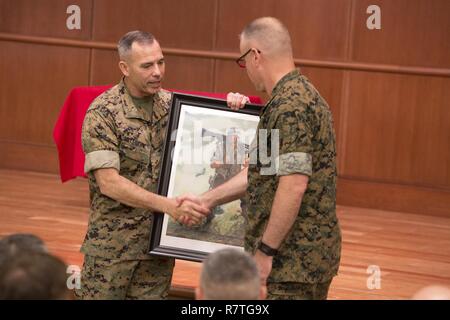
153	90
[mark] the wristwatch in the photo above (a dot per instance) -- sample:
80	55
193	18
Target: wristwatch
268	251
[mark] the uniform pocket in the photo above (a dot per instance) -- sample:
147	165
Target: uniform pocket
135	153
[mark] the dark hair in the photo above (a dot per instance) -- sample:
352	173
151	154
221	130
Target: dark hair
33	275
128	39
19	242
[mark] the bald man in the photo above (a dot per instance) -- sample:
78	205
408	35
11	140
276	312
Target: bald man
292	228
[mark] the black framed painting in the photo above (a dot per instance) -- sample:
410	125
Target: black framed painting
207	143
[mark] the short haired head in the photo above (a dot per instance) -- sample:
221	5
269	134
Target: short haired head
141	63
33	275
20	242
126	42
229	274
269	35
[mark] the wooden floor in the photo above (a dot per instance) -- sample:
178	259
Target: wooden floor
411	250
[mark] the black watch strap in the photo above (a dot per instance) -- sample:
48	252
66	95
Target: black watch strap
268	251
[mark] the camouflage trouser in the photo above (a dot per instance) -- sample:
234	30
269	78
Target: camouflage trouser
125	279
297	291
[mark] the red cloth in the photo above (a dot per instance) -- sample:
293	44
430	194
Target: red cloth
67	130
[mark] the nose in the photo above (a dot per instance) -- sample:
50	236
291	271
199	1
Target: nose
156	71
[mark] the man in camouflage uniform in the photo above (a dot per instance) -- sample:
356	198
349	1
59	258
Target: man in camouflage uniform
292	228
122	136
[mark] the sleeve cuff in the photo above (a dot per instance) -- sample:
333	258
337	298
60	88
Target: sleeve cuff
101	159
294	162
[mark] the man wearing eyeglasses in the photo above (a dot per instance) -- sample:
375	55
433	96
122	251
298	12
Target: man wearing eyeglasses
292	227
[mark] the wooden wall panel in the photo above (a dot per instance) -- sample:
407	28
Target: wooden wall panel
44	18
104	67
184	73
181	24
392	123
398	129
35	81
28	156
230	78
329	84
393	197
318	27
413	32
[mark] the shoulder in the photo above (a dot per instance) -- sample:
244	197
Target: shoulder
299	98
107	105
164	98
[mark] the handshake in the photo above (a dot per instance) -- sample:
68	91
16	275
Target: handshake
191	209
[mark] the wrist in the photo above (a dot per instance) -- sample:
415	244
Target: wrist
207	200
170	206
266	249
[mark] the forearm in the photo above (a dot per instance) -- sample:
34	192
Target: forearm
233	189
127	192
285	208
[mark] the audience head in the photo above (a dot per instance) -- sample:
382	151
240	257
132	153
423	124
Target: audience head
19	242
33	275
230	274
434	292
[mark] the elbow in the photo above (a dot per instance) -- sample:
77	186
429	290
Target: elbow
104	187
105	183
295	184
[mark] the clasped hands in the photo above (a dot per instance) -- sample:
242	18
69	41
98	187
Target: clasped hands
191	209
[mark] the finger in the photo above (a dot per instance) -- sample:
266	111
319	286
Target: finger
242	101
201	209
235	101
192	198
229	95
195	215
230	99
183	219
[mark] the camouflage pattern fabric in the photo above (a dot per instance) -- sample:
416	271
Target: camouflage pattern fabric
118	134
113	123
310	253
125	279
298	291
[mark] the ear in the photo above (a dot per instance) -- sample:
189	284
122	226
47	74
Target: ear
198	294
256	57
123	66
263	292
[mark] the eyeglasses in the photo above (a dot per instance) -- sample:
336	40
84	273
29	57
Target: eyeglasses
241	60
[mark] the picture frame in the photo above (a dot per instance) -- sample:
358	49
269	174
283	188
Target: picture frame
206	144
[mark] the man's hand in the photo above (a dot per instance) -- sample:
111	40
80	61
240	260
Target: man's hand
236	100
264	264
189	212
185	200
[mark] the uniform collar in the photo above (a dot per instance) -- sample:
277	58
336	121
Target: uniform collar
280	84
287	77
129	108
